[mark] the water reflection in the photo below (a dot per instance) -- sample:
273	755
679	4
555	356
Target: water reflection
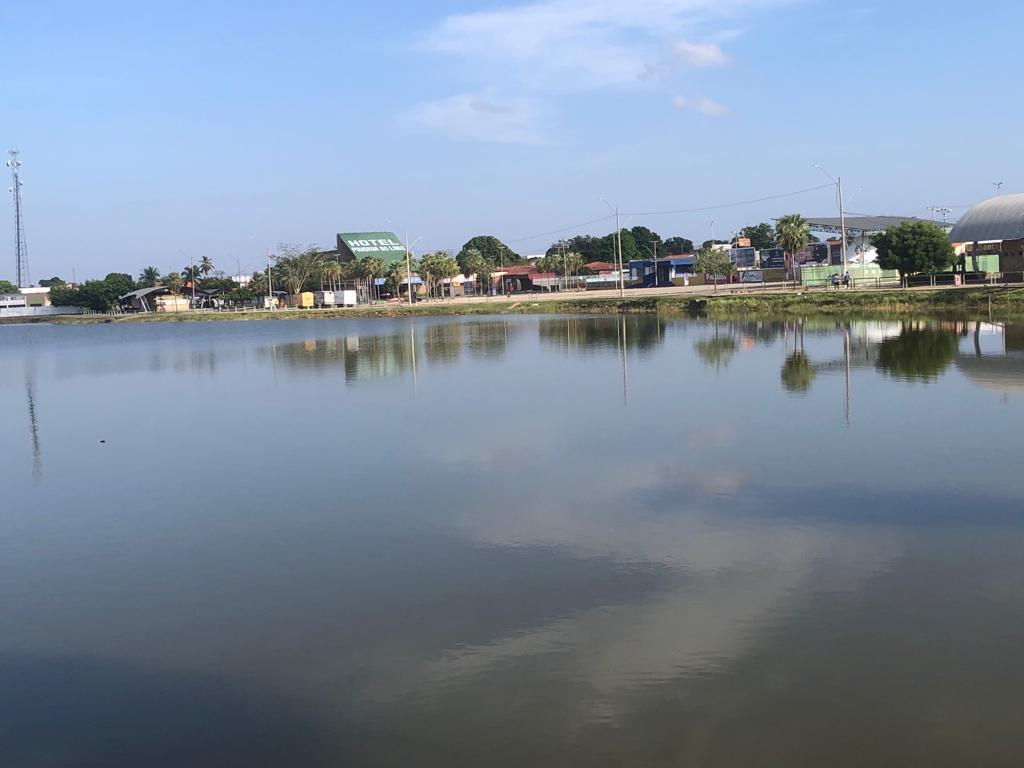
368	356
718	350
797	373
996	366
642	333
919	353
33	421
533	579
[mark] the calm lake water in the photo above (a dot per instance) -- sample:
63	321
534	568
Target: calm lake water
535	541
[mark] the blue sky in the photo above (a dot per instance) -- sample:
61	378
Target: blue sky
151	132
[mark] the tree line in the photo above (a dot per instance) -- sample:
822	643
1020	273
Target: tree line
912	247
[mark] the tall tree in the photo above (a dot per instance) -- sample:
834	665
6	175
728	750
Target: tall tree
714	262
492	249
52	282
205	266
793	235
372	267
647	242
148	277
914	247
299	268
472	262
677	246
561	264
173	282
586	246
7	287
761	235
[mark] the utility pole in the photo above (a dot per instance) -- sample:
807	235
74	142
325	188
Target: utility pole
618	244
192	279
270	282
618	239
842	219
408	267
842	209
20	248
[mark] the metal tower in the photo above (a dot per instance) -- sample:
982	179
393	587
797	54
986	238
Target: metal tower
20	248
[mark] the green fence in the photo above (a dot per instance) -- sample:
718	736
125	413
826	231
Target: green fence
859	273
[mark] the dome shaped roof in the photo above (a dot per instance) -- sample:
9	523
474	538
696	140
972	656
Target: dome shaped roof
1001	218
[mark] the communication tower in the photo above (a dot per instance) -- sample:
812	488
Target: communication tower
20	248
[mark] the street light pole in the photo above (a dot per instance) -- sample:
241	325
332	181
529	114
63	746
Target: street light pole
618	243
408	267
618	239
842	220
270	282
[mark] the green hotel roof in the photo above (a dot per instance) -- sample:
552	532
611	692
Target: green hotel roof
383	245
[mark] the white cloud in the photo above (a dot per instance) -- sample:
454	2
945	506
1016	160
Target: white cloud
477	117
701	54
572	46
705	106
578	44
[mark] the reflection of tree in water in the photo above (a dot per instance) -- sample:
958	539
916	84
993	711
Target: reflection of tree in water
359	356
379	356
444	342
917	354
718	350
763	331
797	373
643	332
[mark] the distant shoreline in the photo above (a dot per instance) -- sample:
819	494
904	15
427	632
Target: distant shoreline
1004	302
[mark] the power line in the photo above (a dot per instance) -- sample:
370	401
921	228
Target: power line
560	231
667	213
730	205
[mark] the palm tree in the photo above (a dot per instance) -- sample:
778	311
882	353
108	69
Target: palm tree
447	268
373	267
190	273
148	277
330	271
205	266
794	234
172	281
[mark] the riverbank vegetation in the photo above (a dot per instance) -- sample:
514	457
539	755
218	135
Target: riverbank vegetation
999	302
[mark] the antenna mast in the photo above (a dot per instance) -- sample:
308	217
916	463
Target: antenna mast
20	248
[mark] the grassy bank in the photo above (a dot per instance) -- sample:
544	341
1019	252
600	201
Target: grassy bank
973	302
1003	303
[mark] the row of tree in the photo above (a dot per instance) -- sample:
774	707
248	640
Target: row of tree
911	248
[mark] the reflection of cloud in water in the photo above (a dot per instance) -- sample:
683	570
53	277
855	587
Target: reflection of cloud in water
735	577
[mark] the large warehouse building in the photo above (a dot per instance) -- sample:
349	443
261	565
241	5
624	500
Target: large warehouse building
994	229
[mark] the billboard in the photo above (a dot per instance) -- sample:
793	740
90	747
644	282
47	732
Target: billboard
743	257
814	253
357	245
751	276
773	258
